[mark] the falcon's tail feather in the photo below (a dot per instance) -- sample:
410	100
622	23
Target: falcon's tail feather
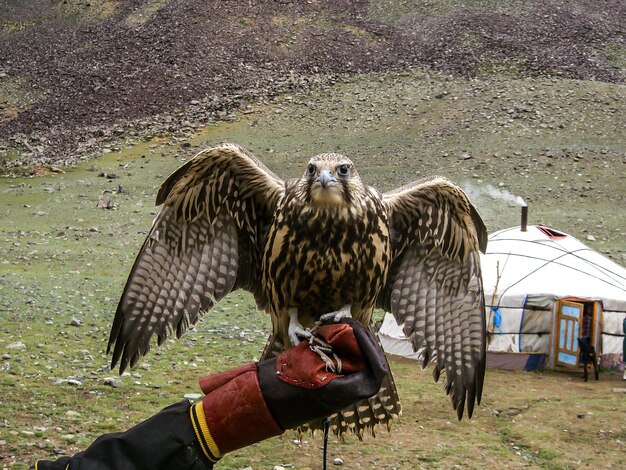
273	347
365	416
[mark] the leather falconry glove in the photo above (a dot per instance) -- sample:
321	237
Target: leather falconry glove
340	365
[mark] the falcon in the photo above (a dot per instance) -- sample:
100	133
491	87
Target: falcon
325	243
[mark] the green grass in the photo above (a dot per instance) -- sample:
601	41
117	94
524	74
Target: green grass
62	258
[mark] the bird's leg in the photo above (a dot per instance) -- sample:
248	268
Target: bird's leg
296	331
344	312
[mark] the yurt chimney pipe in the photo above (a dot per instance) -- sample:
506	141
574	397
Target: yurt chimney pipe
524	223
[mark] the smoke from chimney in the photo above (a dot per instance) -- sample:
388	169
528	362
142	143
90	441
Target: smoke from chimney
474	192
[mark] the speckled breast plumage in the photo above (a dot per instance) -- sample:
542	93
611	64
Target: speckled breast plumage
319	260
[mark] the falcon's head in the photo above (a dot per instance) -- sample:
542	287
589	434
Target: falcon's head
331	180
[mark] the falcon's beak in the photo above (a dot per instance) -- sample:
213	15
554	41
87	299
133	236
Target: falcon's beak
325	178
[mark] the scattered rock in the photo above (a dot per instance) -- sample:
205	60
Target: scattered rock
113	382
75	322
106	203
16	345
192	396
337	461
511	412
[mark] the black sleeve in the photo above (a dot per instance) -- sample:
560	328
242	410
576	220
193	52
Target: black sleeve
166	440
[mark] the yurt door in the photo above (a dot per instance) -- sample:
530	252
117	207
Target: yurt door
569	317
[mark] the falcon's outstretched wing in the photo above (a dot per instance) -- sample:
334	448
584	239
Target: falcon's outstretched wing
434	288
206	241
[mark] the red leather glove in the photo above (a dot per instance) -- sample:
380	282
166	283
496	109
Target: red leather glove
340	365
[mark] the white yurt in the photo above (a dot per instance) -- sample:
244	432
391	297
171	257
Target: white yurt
544	289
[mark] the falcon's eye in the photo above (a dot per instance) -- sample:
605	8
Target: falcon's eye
343	170
311	169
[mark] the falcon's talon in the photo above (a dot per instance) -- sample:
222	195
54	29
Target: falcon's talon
296	332
344	312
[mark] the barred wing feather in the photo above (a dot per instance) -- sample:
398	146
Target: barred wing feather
434	289
205	242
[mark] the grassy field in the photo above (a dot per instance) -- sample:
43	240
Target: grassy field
63	262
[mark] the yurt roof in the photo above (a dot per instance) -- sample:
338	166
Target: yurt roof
544	261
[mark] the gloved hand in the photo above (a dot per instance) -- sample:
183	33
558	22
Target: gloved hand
340	365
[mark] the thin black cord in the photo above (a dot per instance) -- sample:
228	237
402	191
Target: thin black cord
326	423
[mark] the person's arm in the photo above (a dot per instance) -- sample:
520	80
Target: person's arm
166	440
341	365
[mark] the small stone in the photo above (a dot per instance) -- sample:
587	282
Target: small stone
72	413
75	322
580	415
338	461
192	396
465	156
68	437
16	345
74	382
113	382
591	238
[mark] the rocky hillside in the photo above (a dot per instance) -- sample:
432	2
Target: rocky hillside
77	73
